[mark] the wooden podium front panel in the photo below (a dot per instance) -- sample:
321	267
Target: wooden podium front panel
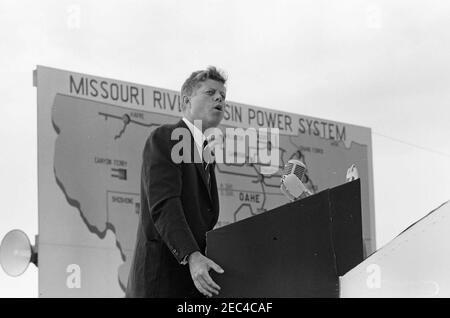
285	252
346	226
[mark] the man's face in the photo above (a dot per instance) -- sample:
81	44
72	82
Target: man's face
207	103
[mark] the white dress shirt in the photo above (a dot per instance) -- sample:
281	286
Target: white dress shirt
199	137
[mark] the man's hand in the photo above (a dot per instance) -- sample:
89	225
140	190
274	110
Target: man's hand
199	265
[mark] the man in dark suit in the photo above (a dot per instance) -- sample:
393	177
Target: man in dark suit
179	201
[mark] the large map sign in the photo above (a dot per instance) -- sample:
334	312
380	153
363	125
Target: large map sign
91	133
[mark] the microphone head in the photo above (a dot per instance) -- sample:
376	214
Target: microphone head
291	184
296	167
352	173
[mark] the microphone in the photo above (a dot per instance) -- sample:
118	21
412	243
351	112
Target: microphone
352	173
291	184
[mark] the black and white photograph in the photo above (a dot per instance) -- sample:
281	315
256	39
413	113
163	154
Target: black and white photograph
218	150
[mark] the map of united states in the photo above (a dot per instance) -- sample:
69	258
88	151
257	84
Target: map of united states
98	157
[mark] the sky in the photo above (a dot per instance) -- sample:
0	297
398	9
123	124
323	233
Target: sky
379	64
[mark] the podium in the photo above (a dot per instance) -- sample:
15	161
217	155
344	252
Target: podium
296	250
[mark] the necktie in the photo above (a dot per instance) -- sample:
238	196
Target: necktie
206	168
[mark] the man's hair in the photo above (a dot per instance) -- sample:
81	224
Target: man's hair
200	76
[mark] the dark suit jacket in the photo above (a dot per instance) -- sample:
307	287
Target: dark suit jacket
177	209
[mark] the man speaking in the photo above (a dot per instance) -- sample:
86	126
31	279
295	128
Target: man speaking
179	201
